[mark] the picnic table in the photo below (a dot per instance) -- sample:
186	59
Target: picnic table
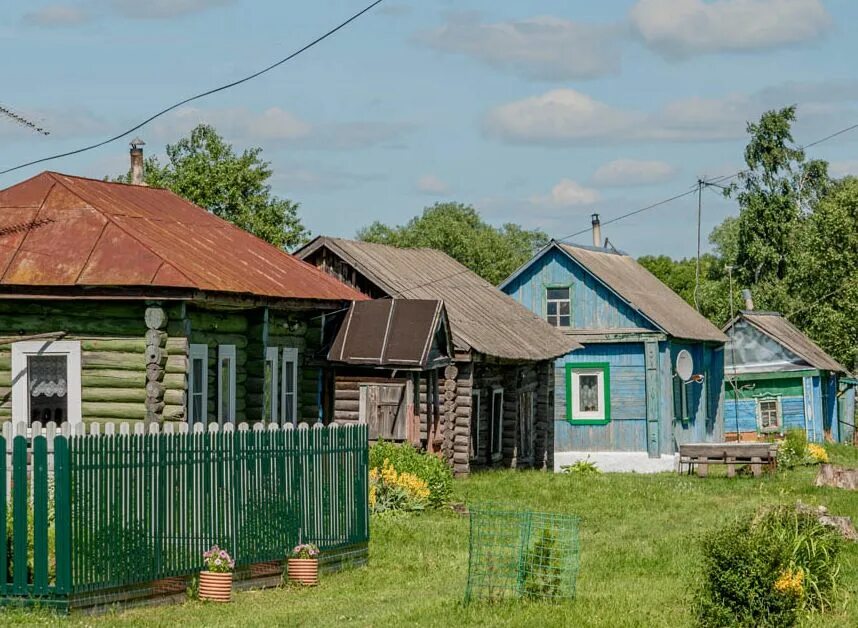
701	455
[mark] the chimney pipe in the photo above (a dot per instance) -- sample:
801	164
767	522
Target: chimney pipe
137	161
597	230
749	302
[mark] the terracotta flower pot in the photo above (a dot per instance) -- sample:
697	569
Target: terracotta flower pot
303	571
215	587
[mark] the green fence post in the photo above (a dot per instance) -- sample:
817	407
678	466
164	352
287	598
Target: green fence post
40	515
4	558
62	515
19	515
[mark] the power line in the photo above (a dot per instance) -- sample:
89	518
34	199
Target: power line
198	96
19	119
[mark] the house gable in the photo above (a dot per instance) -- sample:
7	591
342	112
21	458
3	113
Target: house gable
749	350
594	305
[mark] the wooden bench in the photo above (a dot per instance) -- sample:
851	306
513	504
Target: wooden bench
701	455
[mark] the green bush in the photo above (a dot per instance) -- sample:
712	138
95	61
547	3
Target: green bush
406	459
768	569
792	451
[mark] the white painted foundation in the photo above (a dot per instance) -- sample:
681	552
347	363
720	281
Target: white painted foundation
617	461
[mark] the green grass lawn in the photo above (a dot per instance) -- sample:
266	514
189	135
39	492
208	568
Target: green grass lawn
640	560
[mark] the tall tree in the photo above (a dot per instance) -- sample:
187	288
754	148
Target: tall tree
204	169
458	230
773	193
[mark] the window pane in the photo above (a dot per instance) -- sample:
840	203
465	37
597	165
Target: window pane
551	308
588	393
563	307
558	293
197	367
47	376
268	388
289	391
564	321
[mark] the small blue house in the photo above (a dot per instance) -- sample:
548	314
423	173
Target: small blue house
779	379
619	400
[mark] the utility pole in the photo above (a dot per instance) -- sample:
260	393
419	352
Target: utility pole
733	359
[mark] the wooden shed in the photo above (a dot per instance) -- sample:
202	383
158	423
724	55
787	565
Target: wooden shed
123	302
619	401
495	401
779	379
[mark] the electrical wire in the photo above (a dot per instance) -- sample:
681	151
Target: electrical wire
318	40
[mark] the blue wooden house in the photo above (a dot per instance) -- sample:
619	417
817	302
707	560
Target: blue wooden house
619	400
779	379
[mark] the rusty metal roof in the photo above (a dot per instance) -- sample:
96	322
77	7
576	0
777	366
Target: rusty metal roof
779	329
482	317
60	230
395	333
644	292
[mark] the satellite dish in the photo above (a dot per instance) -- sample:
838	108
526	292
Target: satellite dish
684	365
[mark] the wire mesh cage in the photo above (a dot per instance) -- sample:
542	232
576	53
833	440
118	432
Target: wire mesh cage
521	554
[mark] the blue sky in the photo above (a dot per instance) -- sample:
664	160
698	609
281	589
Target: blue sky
536	112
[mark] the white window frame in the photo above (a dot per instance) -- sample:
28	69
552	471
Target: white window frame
557	315
497	393
476	403
590	415
198	352
289	355
20	382
226	352
271	355
778	410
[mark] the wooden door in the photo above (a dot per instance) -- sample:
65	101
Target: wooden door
383	408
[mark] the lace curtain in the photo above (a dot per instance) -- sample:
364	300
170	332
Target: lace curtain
48	375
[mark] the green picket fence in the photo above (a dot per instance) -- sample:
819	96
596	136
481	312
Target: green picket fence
101	512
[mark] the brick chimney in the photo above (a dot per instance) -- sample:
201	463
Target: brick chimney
597	230
137	161
749	301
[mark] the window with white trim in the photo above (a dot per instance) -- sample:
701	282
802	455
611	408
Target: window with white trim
46	381
225	384
496	423
588	386
558	307
475	424
289	386
198	384
769	414
271	379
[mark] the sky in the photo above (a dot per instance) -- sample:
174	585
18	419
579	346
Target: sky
538	113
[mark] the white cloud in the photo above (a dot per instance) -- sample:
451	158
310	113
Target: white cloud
567	193
559	116
163	9
432	185
680	28
542	47
629	172
564	117
277	126
56	15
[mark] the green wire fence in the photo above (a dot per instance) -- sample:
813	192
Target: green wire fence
521	554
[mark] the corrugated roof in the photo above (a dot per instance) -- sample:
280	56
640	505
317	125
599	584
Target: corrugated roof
645	292
782	331
60	230
482	317
396	333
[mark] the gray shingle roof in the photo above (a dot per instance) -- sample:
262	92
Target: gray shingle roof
482	317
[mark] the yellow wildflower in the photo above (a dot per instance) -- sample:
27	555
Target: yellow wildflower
791	582
817	453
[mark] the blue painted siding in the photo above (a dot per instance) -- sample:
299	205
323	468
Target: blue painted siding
829	400
593	305
746	409
705	401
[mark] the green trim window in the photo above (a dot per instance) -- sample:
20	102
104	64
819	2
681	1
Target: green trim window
558	306
588	393
769	414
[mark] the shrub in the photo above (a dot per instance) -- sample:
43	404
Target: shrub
792	451
406	459
391	491
768	569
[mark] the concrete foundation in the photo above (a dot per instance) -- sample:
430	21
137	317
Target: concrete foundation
617	461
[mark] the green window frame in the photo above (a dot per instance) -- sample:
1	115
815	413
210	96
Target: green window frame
553	305
598	374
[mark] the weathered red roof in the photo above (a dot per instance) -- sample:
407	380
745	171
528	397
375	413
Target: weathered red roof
60	230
